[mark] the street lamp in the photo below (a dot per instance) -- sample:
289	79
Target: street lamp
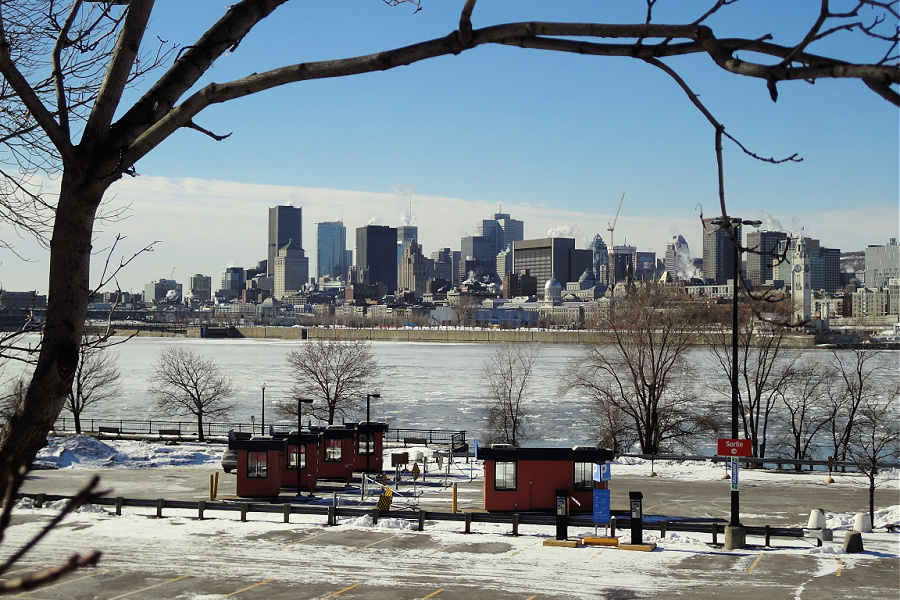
369	434
262	419
300	403
733	223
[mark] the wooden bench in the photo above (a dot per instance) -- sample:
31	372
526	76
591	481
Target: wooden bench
416	441
170	432
108	430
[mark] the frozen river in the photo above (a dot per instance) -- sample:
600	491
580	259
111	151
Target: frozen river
422	385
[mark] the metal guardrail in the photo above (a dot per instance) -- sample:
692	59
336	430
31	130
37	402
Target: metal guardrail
188	429
751	460
622	518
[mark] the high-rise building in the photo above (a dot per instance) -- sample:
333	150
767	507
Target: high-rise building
678	262
550	258
376	256
331	250
501	231
406	234
411	272
285	224
644	265
164	290
624	263
761	247
201	287
234	280
291	270
600	259
718	252
446	262
882	264
824	264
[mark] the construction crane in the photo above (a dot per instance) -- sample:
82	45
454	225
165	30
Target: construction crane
611	227
172	276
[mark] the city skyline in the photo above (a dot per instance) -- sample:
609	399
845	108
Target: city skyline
551	138
238	238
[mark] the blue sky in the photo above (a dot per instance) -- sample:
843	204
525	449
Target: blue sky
554	139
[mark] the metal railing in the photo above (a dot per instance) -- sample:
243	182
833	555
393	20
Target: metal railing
188	429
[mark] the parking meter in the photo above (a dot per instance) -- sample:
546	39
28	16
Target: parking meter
637	517
562	514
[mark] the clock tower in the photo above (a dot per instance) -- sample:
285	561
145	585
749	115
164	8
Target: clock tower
801	299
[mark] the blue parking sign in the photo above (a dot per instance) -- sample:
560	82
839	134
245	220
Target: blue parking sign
601	506
601	472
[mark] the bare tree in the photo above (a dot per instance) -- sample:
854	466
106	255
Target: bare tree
857	374
508	373
804	400
765	366
11	398
643	373
66	65
876	436
336	375
185	383
96	380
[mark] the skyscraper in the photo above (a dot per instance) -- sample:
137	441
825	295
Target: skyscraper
600	259
762	245
285	224
411	272
501	231
406	234
678	263
376	255
291	269
331	250
718	252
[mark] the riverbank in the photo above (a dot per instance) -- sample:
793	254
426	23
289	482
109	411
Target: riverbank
412	334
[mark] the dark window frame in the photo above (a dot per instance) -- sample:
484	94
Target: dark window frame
257	464
501	480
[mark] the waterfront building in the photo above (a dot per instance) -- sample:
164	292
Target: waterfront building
824	264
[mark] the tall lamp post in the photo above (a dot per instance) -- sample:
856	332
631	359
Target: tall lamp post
737	535
262	419
300	403
369	434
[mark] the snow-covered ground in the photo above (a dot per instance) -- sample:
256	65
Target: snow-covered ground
219	547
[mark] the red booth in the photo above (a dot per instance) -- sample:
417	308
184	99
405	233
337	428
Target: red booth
370	447
259	466
308	444
336	452
527	478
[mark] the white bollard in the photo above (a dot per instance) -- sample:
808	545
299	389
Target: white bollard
816	519
862	523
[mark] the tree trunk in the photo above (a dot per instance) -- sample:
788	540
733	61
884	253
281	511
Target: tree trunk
77	416
200	437
68	289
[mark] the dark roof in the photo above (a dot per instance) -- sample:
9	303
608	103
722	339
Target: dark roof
587	454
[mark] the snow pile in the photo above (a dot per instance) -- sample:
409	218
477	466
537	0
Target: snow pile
85	452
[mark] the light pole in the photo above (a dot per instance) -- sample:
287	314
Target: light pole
369	435
733	223
300	403
262	419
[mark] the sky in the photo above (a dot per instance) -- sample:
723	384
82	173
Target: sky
554	140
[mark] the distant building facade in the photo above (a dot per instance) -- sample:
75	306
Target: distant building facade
376	260
285	224
331	250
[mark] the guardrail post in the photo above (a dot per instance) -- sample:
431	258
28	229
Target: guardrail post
768	536
612	526
715	532
39	500
120	502
421	520
662	528
245	508
160	503
515	524
375	514
468	522
201	508
332	516
286	509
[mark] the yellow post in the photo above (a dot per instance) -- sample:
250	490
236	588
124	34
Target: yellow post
453	504
216	487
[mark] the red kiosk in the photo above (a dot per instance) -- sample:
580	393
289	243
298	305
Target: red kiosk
308	459
370	447
259	466
528	478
